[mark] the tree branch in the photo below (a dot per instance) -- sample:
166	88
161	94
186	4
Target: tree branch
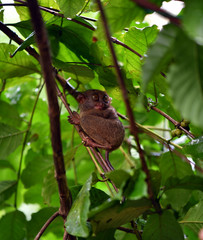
134	129
54	113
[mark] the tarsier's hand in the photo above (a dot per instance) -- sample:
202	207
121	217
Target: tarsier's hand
74	119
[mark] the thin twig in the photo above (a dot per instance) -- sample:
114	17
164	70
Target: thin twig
134	128
24	143
149	5
176	123
48	222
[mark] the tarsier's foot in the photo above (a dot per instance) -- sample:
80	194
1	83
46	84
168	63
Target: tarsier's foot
88	142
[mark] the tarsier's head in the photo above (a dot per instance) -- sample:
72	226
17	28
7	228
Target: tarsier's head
93	99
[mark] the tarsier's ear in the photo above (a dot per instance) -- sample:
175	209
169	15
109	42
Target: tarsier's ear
80	98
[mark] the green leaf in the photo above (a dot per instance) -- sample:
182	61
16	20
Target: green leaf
76	223
5	164
195	147
70	7
49	186
159	54
1	13
173	166
190	21
162	227
121	13
18	66
28	41
78	73
12	226
194	218
176	198
38	165
7	188
9	114
143	39
10	139
188	182
185	78
118	176
113	213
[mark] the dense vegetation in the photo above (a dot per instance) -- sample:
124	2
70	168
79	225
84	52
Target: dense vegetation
155	79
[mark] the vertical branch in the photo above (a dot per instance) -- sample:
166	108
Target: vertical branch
45	60
133	127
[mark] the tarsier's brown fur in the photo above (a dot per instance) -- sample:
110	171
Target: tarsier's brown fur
99	119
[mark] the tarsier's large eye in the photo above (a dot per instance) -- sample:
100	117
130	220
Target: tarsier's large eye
106	98
95	97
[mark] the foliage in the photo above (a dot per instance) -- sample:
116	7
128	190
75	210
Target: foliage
28	189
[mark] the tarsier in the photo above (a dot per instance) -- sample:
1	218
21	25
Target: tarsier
99	120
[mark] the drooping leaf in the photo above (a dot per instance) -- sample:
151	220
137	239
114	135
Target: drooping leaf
190	21
113	213
70	7
162	227
10	139
185	78
78	73
195	147
18	66
76	223
194	218
28	41
7	188
13	226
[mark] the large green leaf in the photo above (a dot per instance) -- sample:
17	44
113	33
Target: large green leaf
38	165
113	213
193	19
121	13
7	188
188	182
186	79
162	227
9	114
13	226
10	139
143	39
70	7
159	54
76	223
194	218
173	166
18	66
